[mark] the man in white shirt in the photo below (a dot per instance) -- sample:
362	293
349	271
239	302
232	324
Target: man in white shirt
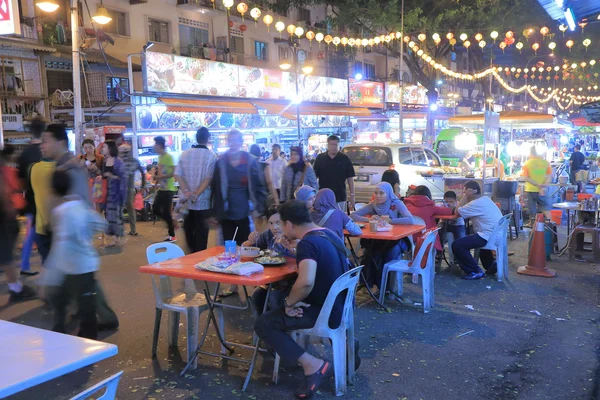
484	215
278	165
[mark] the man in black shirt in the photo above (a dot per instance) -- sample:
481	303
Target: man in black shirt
333	169
29	156
319	265
576	164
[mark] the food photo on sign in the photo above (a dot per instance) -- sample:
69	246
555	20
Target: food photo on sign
366	94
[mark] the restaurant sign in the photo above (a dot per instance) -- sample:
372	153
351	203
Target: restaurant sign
12	122
169	73
366	94
412	94
9	18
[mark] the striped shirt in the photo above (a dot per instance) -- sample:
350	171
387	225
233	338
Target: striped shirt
195	165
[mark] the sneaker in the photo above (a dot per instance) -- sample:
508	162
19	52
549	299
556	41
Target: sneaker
171	239
29	273
27	293
132	233
473	276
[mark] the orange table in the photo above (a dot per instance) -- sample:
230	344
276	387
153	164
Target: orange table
184	267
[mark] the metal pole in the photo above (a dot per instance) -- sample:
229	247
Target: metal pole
297	96
400	80
77	109
1	127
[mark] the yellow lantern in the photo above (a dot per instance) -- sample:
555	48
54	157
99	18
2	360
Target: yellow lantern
519	46
388	38
371	42
467	44
398	35
583	64
502	46
319	37
242	8
299	31
449	35
494	35
544	31
463	36
344	41
351	42
228	4
358	42
255	13
582	24
478	37
573	66
411	44
535	47
563	28
291	29
436	37
452	42
482	43
377	40
279	27
310	35
586	43
592	62
336	40
420	53
328	39
569	44
552	46
364	42
527	33
422	37
509	34
268	20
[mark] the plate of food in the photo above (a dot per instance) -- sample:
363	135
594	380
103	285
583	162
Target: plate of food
270	261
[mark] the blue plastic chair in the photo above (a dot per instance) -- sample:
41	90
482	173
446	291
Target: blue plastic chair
110	384
176	304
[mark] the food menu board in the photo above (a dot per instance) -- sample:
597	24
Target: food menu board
169	73
412	94
366	94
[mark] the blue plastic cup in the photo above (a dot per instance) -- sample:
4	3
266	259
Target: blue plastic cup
230	247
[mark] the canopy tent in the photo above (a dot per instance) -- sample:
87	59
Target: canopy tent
511	120
591	111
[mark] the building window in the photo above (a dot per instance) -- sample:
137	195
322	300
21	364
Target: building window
284	53
190	38
115	88
261	50
236	44
369	71
159	31
119	24
358	68
304	15
281	7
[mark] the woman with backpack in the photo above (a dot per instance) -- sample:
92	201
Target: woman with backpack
297	173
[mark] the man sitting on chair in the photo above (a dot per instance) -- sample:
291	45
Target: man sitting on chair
320	263
484	215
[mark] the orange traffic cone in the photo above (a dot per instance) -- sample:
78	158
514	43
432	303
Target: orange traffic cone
536	265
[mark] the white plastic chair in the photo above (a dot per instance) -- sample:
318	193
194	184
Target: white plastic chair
110	384
414	267
342	337
498	243
177	304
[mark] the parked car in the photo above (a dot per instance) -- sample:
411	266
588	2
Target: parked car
413	163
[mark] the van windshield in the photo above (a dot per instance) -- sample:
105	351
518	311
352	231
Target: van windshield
446	149
369	155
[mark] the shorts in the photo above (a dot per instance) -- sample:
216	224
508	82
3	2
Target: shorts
9	231
536	203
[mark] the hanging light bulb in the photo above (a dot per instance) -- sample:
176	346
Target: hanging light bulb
47	5
102	17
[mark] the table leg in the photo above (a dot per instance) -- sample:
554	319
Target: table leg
362	277
256	343
443	242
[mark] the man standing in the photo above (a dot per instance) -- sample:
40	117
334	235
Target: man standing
132	165
333	170
537	173
278	165
29	156
484	216
163	203
194	174
576	164
320	263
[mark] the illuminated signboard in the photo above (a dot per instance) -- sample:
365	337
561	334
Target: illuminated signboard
366	94
412	94
168	73
9	18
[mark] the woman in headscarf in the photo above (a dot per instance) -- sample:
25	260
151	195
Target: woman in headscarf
326	214
297	173
378	252
306	194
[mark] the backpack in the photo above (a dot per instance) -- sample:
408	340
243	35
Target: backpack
339	246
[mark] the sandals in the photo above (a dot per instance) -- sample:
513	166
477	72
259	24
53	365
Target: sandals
313	382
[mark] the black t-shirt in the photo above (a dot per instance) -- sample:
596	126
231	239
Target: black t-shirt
578	159
333	172
391	176
331	264
29	156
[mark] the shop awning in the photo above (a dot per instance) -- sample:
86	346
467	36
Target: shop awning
285	110
375	117
25	44
510	119
334	110
184	105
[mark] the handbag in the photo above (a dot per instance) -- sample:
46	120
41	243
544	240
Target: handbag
99	189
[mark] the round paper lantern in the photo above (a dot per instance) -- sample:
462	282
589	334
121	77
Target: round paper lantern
582	25
569	44
420	53
310	35
494	35
436	37
279	26
227	4
351	42
398	35
371	42
449	35
535	47
268	20
467	44
291	29
255	13
299	31
509	35
463	36
552	46
411	44
328	39
583	64
452	41
593	62
482	44
377	40
563	28
242	8
422	37
519	46
319	37
365	42
544	31
478	37
336	40
502	46
586	43
407	39
357	42
344	41
243	28
388	38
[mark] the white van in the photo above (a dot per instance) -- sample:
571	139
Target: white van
413	163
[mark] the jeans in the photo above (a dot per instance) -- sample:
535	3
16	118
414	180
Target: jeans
228	227
454	232
82	289
28	243
131	211
43	244
163	208
196	229
272	328
276	298
462	253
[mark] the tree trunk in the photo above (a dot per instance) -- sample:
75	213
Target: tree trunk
429	136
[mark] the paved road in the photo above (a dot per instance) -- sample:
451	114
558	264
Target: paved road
505	351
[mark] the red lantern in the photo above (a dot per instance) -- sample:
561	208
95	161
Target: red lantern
588	76
243	28
231	24
525	76
556	77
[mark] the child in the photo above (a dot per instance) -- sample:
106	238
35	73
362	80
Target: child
455	228
73	260
272	239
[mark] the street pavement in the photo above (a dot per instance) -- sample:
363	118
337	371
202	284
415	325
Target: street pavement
483	339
